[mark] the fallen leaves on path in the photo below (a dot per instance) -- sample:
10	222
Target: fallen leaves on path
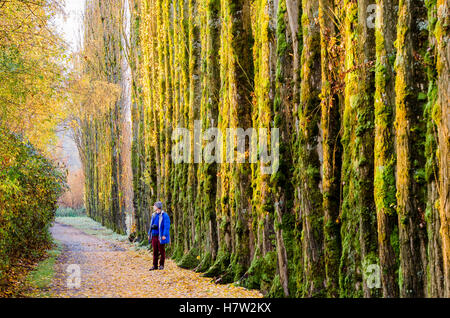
115	270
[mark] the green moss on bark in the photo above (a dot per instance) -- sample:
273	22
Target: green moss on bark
190	260
261	273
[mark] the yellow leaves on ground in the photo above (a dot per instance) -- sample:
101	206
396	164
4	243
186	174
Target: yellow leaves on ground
115	270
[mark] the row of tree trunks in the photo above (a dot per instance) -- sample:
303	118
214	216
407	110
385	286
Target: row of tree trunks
353	95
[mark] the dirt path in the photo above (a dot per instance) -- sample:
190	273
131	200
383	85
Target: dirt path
112	269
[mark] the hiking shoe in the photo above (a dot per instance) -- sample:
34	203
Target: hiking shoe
161	267
153	268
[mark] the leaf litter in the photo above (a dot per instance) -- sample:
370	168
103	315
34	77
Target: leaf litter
115	269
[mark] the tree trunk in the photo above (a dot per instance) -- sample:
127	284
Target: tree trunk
409	202
309	175
443	61
384	180
332	151
359	236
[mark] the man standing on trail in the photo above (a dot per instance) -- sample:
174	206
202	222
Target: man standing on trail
159	234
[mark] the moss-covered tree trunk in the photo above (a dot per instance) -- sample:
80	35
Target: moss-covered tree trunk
310	153
242	72
140	189
359	235
210	31
282	189
384	178
443	122
435	271
410	208
294	13
293	25
331	149
193	105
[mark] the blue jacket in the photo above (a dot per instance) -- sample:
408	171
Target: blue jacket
163	226
154	232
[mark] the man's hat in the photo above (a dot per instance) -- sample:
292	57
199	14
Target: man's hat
158	205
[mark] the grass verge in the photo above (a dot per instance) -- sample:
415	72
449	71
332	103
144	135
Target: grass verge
40	278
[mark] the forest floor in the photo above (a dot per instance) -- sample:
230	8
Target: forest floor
113	268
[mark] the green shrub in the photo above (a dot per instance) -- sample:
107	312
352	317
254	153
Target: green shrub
30	186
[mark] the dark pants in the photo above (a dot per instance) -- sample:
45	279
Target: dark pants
158	249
